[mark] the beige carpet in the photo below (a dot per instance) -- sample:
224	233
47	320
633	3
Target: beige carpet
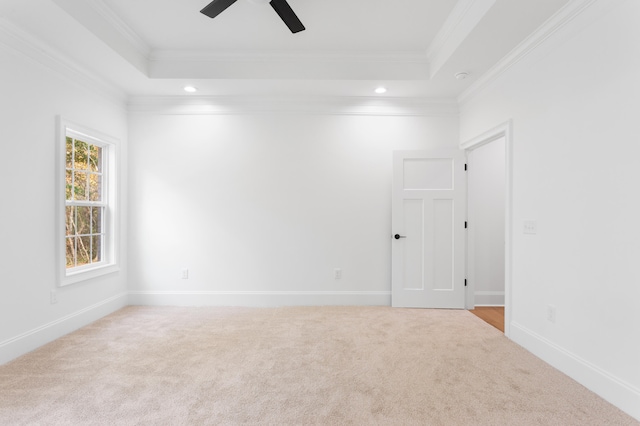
292	366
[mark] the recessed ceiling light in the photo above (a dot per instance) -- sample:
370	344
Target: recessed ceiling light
381	90
190	89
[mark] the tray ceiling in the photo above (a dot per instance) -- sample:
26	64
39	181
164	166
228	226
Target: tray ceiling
153	47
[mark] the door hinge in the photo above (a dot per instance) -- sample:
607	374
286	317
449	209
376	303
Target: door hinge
465	167
465	224
465	282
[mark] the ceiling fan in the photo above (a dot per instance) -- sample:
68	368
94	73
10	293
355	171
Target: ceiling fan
281	7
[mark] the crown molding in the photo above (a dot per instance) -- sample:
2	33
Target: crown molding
324	65
98	18
450	24
121	27
464	17
241	105
413	57
560	19
20	41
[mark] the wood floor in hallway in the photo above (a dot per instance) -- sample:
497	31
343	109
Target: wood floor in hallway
493	315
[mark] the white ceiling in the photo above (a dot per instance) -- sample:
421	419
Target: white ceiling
344	25
155	47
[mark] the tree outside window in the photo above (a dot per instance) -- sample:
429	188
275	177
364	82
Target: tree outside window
85	206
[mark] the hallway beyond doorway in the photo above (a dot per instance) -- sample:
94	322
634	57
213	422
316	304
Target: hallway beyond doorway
493	315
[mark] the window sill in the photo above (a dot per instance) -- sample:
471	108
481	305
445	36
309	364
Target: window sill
87	274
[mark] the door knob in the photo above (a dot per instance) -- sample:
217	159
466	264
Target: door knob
398	236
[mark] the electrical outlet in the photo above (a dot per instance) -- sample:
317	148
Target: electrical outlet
337	274
185	274
54	297
530	227
551	313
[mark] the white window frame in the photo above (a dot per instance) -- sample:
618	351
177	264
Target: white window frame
109	262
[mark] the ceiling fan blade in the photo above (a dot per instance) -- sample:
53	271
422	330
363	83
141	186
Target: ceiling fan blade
287	14
216	7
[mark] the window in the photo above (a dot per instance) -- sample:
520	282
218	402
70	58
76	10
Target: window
87	203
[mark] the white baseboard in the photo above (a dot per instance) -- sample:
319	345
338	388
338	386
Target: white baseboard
489	298
260	298
33	339
619	393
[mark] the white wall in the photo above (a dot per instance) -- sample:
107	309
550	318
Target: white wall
31	97
486	208
263	207
574	105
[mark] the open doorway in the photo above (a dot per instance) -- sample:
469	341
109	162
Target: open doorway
487	234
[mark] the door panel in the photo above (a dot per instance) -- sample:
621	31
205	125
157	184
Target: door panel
443	245
413	248
427	173
428	214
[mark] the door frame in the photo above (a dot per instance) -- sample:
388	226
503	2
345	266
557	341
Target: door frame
503	130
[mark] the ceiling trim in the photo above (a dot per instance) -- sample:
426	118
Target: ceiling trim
560	19
448	27
464	17
108	27
121	27
412	65
158	63
22	42
242	105
275	56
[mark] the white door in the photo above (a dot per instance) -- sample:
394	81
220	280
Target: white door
428	229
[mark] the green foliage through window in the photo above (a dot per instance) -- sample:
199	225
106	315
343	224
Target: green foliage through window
85	208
